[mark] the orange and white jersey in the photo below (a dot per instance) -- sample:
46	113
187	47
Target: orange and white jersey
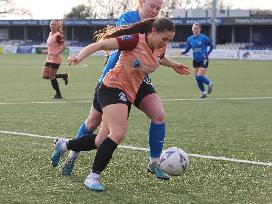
55	44
136	61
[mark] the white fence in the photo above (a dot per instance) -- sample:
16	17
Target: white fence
227	54
171	52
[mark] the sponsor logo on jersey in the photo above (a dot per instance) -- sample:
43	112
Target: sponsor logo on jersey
136	63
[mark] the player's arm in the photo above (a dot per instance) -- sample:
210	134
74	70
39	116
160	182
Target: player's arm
211	46
179	68
187	48
61	41
125	42
108	44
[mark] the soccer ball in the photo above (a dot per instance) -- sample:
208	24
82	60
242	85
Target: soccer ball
174	161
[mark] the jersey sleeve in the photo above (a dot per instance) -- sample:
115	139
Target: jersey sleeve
123	20
59	39
163	50
208	41
127	18
128	42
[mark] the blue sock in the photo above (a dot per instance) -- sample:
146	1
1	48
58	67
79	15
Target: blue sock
205	80
83	131
200	84
156	138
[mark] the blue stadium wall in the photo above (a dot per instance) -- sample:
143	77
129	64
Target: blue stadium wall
236	30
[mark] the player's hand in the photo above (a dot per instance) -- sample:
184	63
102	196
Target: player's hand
73	60
182	69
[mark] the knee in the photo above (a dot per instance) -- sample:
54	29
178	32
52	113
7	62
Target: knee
118	133
157	117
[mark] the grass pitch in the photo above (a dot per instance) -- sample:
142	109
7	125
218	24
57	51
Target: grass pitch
233	122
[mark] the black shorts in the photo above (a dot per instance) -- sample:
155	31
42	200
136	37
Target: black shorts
202	64
52	65
145	89
108	95
95	100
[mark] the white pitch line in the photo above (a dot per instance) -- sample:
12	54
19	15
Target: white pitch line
173	99
147	150
214	99
44	102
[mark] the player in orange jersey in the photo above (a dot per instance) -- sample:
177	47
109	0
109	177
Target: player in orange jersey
56	45
142	47
146	96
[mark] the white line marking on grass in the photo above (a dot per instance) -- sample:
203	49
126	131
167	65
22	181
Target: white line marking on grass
173	99
213	99
147	150
44	102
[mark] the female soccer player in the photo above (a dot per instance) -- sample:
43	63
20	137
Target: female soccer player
140	55
199	43
146	96
56	45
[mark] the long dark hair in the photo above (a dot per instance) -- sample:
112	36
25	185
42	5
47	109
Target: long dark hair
145	26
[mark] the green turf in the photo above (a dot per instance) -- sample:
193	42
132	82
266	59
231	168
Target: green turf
222	126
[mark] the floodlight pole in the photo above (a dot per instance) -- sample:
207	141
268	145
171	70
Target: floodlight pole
213	21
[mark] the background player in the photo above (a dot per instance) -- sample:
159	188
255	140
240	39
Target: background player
56	45
199	42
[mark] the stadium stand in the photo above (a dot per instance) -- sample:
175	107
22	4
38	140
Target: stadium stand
236	29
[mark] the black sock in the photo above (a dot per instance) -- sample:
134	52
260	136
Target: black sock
60	76
55	86
84	143
103	155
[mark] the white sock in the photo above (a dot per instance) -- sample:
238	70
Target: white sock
73	154
155	160
64	146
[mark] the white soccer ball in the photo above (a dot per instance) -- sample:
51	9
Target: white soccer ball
174	161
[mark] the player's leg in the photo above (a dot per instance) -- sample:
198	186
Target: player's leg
149	102
200	83
64	77
86	128
202	73
117	126
52	76
45	71
62	145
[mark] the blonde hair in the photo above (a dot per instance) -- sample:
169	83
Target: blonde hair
60	26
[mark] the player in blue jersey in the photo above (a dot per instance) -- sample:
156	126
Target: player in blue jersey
199	44
146	100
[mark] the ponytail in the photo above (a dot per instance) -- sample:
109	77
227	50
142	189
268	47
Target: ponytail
60	26
144	26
